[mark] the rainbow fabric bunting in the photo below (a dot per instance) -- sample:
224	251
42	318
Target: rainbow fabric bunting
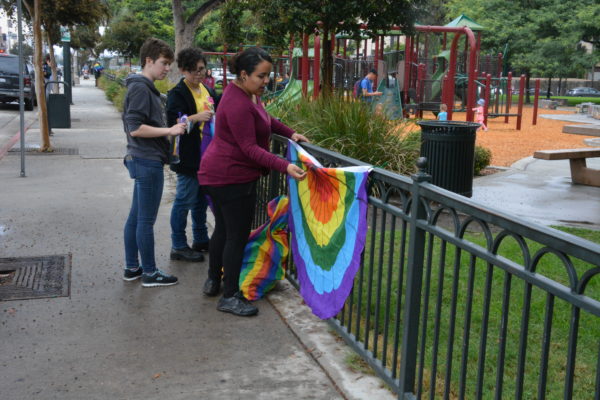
328	222
266	253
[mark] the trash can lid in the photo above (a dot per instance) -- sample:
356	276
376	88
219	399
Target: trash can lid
451	124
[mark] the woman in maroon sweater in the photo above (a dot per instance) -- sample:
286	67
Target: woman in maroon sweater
230	168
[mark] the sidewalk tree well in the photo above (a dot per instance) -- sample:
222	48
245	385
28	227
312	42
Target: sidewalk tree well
51	14
280	18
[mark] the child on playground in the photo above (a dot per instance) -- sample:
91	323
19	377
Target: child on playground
443	114
479	117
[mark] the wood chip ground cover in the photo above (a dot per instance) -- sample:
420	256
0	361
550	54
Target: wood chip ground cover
509	145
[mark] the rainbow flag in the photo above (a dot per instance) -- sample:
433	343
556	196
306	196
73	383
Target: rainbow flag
328	225
266	253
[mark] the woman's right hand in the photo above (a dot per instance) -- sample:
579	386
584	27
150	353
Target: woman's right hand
177	129
203	116
296	172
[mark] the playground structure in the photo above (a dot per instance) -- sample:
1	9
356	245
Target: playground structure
438	64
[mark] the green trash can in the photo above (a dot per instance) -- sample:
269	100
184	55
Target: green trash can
449	147
59	109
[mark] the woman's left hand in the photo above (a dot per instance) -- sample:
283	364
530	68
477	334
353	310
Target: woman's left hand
296	137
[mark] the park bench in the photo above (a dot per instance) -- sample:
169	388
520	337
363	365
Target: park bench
580	173
548	104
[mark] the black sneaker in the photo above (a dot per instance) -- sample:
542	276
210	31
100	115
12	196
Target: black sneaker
131	274
211	287
203	247
186	254
158	278
237	305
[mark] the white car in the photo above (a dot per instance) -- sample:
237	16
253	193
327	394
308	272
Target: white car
217	73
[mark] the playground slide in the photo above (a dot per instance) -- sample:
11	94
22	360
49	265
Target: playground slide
291	94
390	99
438	77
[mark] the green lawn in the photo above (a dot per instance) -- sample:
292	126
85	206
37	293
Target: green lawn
469	280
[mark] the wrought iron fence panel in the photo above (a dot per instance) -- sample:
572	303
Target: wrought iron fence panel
456	300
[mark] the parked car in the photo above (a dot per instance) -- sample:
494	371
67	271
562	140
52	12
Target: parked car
531	92
583	92
9	81
217	73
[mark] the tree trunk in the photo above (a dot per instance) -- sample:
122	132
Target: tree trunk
327	63
559	90
549	88
185	29
39	78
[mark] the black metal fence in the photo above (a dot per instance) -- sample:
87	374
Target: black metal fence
456	300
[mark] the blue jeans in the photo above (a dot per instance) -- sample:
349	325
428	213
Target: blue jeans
139	228
188	197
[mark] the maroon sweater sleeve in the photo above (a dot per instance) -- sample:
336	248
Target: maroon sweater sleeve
243	130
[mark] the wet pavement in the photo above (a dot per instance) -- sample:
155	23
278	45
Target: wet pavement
112	339
541	190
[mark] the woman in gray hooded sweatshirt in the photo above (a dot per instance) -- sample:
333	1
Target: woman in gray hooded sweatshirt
147	152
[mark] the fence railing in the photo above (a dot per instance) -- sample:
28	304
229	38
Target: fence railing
457	300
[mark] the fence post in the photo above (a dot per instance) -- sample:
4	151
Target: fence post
274	176
508	96
536	102
420	88
486	96
521	94
414	280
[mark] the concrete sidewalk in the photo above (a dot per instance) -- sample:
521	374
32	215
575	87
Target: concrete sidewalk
112	339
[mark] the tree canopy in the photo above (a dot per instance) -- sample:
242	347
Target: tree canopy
543	37
278	19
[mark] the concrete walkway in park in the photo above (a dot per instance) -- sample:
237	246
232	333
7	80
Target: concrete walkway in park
111	339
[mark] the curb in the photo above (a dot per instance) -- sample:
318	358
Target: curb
329	351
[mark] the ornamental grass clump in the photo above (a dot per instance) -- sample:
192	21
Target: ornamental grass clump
352	128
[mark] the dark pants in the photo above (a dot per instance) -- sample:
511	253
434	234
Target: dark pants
233	206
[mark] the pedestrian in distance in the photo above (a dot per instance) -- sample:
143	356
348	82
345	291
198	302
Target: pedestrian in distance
230	168
479	116
366	86
197	102
443	114
47	71
147	152
209	80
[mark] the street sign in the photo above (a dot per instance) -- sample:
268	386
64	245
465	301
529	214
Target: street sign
65	34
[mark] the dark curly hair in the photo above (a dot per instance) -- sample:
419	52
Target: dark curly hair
187	59
248	59
154	48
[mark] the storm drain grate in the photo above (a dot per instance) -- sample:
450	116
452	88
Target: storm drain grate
57	151
35	277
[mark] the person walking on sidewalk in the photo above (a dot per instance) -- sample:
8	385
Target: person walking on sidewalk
230	168
147	152
191	98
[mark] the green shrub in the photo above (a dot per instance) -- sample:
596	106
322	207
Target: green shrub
119	98
111	90
164	85
352	129
483	158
